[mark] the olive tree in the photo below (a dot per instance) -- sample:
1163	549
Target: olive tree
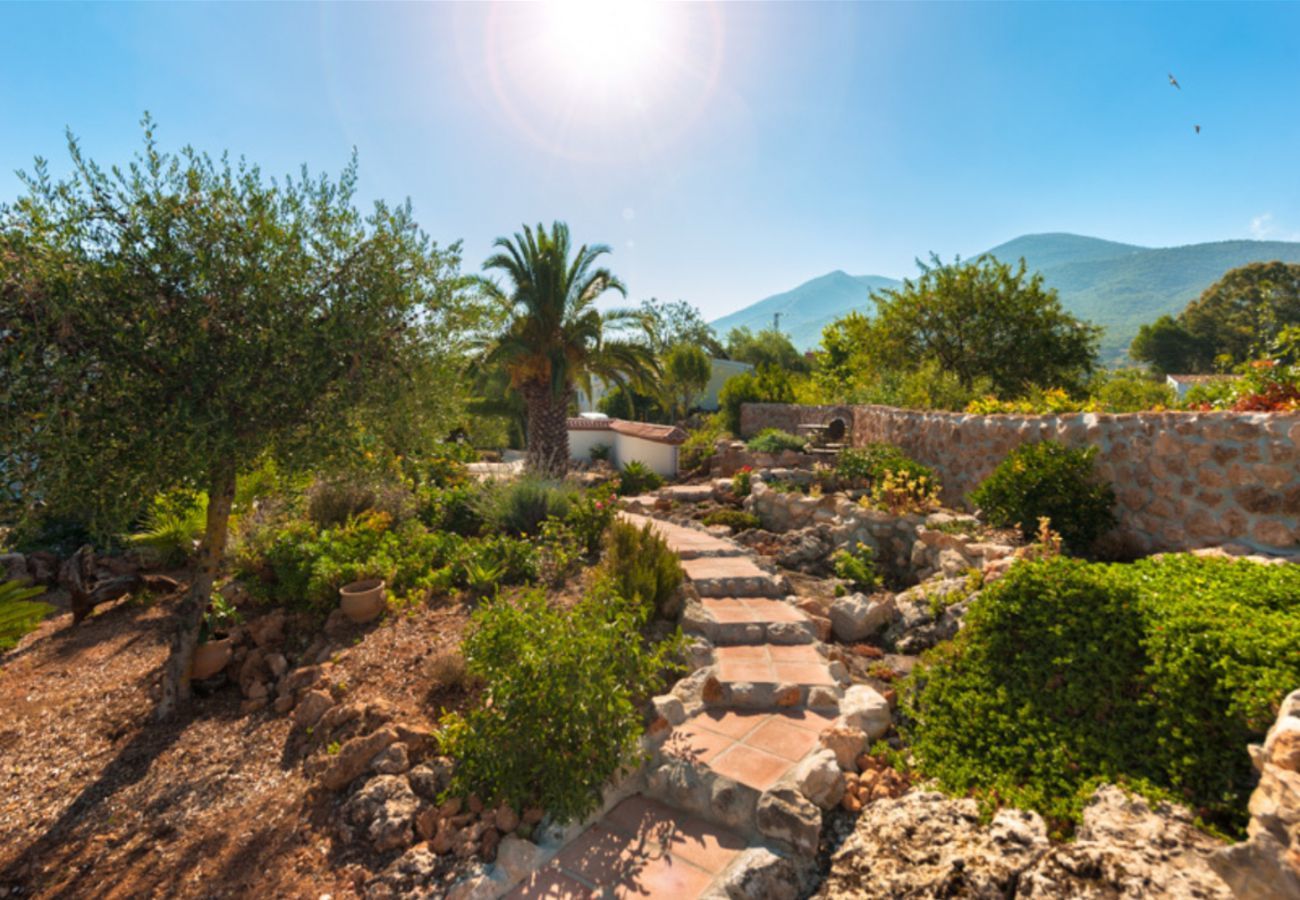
166	323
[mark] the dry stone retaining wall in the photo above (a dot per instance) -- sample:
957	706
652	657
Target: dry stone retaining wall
1182	480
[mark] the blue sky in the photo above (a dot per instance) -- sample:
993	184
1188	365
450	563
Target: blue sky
725	151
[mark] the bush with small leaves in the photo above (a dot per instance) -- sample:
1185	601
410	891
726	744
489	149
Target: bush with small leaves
774	440
857	567
735	519
561	703
1048	480
640	566
520	507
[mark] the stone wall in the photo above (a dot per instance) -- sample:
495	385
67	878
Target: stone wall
754	417
1182	479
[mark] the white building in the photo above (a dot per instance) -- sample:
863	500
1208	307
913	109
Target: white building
654	445
723	370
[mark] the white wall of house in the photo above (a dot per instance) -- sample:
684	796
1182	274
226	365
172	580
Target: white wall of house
723	371
661	458
582	440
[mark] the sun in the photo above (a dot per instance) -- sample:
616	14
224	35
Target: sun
606	45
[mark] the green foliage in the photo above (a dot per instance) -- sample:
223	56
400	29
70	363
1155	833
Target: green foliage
766	385
1170	349
219	617
301	566
1126	390
333	500
173	525
686	372
637	478
600	452
1156	673
635	405
774	440
1240	316
768	349
519	507
678	322
559	714
735	519
742	482
19	614
1048	480
869	463
640	566
701	443
857	566
455	508
590	516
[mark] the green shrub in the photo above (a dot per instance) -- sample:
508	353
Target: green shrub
768	384
867	464
173	524
640	566
19	613
1156	673
590	516
600	452
520	507
1048	480
774	440
333	501
857	566
743	482
701	443
560	712
735	519
637	478
451	508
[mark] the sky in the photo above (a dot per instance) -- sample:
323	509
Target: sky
724	151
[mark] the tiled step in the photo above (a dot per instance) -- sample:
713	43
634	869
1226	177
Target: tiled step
749	620
687	543
642	849
719	764
731	576
771	676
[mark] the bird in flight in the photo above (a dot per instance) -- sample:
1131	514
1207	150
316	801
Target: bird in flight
1198	128
1174	81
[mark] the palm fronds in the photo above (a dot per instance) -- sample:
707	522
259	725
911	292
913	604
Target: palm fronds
18	613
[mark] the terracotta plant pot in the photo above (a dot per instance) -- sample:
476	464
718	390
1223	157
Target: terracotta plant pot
210	658
362	601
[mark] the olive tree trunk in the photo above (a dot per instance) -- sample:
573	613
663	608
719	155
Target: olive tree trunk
189	616
548	431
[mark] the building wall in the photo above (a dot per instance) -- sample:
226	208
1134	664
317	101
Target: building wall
662	458
1182	480
582	440
722	371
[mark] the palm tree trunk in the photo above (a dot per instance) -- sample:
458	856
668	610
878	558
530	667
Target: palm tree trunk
176	674
548	431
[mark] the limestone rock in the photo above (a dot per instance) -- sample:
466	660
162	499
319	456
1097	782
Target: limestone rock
786	816
310	708
846	742
819	778
430	779
410	875
864	708
382	811
354	758
392	760
516	857
758	874
858	616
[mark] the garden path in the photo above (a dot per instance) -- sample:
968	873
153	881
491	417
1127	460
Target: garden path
708	812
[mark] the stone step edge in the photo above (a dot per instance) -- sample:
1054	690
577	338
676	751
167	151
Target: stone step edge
696	619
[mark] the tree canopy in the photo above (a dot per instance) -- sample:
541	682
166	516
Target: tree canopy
169	322
768	347
978	321
678	322
686	372
1236	319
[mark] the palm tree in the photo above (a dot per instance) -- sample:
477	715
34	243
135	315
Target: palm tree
554	339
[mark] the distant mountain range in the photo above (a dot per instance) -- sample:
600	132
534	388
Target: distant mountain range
1118	286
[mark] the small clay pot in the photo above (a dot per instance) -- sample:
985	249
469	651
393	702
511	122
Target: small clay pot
210	658
362	601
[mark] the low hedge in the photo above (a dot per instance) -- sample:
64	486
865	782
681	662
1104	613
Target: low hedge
1156	674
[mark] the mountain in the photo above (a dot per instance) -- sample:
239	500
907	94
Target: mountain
1118	286
809	308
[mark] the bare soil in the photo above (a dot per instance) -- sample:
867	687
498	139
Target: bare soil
96	800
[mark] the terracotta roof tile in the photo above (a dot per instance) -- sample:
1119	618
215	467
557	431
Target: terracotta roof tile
660	434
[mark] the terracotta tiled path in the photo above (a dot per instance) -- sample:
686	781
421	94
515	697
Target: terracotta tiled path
646	849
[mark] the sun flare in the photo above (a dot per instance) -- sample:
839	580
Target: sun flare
605	43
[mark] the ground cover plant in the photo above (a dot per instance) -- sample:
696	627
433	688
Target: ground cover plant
1048	480
774	440
1155	674
637	478
735	519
